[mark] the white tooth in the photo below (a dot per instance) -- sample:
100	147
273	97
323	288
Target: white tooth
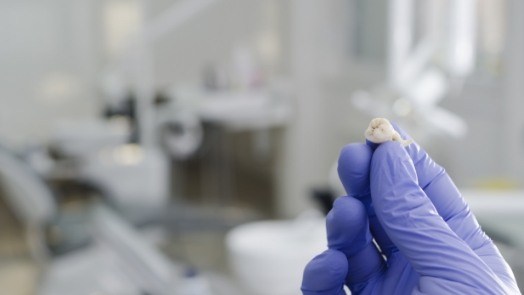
380	130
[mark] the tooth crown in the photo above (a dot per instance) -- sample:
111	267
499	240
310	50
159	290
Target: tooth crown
380	130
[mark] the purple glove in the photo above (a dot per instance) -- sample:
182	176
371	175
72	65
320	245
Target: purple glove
429	241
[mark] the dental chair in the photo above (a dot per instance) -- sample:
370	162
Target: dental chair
110	257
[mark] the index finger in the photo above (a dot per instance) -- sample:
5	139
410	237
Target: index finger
448	202
444	195
412	223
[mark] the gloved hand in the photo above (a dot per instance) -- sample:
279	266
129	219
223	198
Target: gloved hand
431	241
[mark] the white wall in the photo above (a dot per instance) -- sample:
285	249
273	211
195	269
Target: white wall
46	66
213	35
309	146
512	146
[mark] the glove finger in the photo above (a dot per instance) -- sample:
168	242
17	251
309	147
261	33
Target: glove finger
449	203
353	170
325	274
413	224
445	196
348	232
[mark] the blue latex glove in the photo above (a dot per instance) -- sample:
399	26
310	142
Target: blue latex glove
431	241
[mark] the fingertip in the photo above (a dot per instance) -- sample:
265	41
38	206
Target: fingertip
417	154
348	226
349	208
425	167
325	273
354	157
353	168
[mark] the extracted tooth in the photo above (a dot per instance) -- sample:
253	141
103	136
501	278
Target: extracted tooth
380	130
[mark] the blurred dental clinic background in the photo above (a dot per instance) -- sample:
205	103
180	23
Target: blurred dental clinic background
189	146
